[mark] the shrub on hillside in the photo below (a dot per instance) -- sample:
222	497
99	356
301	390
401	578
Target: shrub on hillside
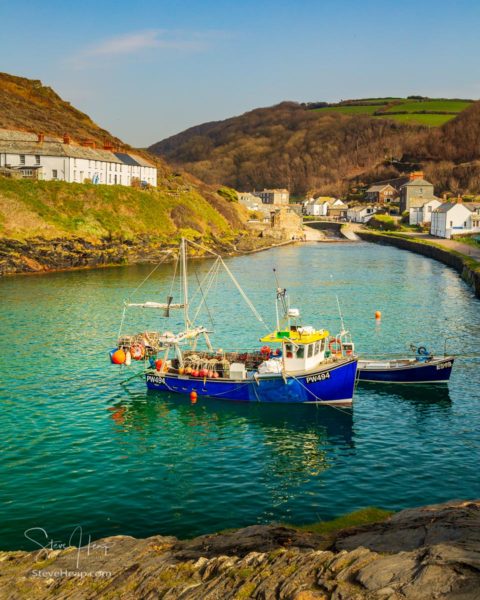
383	222
228	193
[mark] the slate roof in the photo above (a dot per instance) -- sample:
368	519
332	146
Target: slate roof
20	142
126	159
378	187
416	182
446	206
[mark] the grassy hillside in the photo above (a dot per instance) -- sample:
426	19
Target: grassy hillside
58	209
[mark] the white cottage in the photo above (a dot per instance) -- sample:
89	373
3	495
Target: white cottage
361	214
423	213
450	219
50	158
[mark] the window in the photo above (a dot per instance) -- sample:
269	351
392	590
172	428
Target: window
317	347
37	159
54	173
310	350
74	176
300	351
451	223
22	159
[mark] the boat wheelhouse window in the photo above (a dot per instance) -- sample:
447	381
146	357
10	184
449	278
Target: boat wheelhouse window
289	350
310	350
301	352
317	347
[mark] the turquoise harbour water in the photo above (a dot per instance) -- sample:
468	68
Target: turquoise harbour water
79	447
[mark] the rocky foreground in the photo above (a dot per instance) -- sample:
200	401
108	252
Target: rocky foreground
419	554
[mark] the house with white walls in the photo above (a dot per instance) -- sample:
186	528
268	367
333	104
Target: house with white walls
323	206
453	218
423	213
361	214
53	159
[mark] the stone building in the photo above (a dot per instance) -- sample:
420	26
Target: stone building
415	192
381	193
274	196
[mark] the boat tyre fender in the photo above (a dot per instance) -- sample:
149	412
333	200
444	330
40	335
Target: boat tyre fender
423	351
137	351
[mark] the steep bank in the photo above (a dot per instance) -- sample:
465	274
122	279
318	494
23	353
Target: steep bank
468	268
58	225
430	552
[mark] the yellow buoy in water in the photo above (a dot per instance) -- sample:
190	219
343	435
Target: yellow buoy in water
378	315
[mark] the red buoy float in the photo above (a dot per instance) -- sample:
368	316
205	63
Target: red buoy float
118	357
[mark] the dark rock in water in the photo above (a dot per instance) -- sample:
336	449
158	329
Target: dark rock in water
418	554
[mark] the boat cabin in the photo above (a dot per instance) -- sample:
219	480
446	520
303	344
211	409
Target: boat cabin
304	348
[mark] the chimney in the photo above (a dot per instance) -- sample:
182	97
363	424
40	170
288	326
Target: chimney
66	138
415	175
107	145
459	199
88	143
41	138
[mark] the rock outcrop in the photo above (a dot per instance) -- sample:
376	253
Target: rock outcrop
418	554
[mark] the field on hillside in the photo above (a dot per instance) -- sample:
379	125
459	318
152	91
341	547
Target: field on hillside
413	110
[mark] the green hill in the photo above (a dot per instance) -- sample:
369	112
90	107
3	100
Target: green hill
324	148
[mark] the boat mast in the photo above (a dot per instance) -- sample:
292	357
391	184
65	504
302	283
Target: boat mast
185	284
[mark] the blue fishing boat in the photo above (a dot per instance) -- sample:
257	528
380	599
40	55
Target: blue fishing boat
295	364
422	368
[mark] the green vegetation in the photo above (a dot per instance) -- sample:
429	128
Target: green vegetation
363	516
441	105
56	209
383	222
430	112
228	193
350	109
473	240
430	120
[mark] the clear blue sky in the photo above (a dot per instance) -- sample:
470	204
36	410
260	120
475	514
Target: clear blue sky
147	69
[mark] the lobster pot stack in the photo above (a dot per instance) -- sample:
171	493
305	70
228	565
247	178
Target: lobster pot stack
142	346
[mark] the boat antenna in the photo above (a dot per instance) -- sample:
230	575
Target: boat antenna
340	313
281	294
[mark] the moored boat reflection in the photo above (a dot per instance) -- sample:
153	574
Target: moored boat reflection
420	396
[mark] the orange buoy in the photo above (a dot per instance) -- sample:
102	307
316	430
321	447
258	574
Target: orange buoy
118	357
378	315
158	364
193	397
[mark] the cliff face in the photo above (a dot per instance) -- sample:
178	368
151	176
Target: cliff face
426	553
